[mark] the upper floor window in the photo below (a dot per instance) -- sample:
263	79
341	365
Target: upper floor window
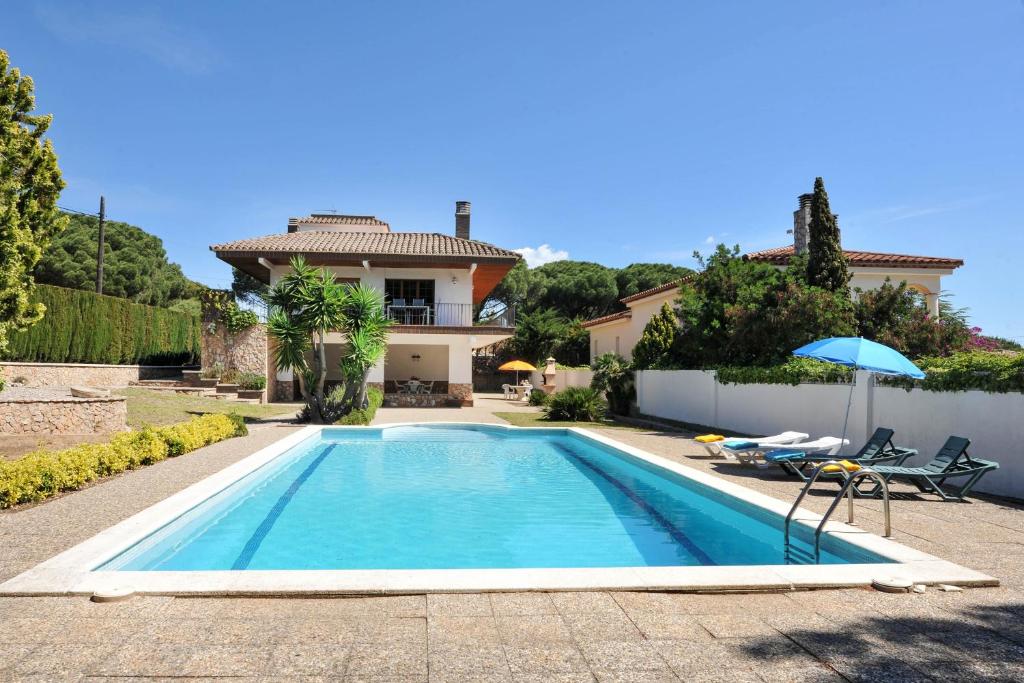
410	291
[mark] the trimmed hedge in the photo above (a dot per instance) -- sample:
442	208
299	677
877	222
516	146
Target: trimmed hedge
363	416
794	371
997	372
85	327
43	474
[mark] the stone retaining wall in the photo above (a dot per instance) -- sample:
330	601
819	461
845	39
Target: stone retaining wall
94	375
245	351
63	416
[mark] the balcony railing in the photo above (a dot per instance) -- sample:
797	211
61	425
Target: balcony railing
448	315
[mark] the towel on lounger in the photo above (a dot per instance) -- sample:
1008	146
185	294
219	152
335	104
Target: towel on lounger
709	438
739	444
846	464
781	454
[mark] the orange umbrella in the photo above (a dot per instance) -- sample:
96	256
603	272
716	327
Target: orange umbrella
516	366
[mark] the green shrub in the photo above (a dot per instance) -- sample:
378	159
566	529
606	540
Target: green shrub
363	416
43	474
538	398
252	381
794	371
576	404
85	327
983	370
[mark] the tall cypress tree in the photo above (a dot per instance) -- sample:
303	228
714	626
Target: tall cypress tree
826	264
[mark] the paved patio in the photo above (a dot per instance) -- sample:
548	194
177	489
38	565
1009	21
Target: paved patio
858	635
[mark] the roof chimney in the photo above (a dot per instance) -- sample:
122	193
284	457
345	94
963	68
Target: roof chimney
801	224
462	220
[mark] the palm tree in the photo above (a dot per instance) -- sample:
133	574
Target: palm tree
613	376
306	304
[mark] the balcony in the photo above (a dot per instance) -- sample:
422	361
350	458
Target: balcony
448	315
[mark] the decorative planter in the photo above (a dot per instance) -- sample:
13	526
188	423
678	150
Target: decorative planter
207	382
190	377
227	388
253	393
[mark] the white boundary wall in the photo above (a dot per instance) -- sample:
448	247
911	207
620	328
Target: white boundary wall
565	377
922	419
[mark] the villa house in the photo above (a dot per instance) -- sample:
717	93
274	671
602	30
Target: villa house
430	281
619	332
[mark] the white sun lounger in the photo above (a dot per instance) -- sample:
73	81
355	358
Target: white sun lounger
826	445
784	439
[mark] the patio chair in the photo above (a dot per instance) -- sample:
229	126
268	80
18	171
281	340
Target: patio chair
426	387
506	389
877	450
826	445
951	462
737	443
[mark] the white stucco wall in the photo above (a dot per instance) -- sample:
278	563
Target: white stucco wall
928	281
921	419
621	336
575	377
432	363
445	290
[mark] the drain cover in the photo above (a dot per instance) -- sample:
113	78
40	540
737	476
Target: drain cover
112	595
892	584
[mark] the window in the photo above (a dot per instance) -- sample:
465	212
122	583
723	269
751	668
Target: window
409	290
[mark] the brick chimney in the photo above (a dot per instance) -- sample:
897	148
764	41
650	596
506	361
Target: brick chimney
462	220
801	224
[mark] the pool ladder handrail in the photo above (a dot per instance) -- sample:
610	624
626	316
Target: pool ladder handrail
845	490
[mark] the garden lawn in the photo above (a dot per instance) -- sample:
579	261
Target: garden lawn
166	407
536	419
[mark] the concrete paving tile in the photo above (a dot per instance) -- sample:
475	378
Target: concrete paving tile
639	602
226	660
521	604
611	655
533	629
396	630
812	673
666	676
462	630
955	672
555	677
670	626
310	659
602	626
982	645
12	653
321	631
735	626
59	662
746	603
142	659
451	661
867	670
470	677
694	660
381	661
27	630
382	606
459	605
584	602
552	657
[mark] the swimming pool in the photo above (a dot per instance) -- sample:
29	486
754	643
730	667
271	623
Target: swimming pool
446	497
420	508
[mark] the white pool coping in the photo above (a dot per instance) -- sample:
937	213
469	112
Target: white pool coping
71	572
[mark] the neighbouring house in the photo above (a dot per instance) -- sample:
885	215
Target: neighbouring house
432	284
619	332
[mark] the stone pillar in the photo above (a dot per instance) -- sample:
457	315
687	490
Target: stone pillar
549	376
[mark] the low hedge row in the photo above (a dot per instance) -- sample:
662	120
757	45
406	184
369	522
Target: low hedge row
42	474
794	371
363	416
993	371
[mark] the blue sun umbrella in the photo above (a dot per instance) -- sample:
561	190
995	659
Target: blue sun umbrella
860	354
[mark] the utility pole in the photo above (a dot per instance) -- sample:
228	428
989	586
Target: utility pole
99	251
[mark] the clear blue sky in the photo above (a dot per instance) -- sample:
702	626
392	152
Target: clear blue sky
614	131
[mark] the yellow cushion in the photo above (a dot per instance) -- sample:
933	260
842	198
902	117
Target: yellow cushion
843	464
709	438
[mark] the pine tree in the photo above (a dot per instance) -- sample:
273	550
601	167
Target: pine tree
656	340
826	264
30	183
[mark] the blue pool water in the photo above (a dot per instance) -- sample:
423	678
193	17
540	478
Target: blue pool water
429	497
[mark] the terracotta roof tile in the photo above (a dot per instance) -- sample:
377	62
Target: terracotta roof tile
655	290
625	315
335	219
781	256
366	244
